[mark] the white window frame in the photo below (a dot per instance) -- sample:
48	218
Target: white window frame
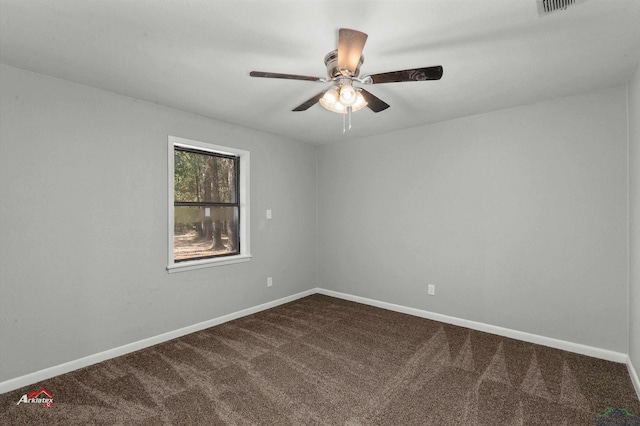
245	250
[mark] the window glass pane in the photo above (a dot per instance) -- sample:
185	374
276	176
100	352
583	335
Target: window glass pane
204	177
201	232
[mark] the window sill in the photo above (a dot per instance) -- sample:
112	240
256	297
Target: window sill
207	263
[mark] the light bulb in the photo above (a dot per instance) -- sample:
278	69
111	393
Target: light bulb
347	95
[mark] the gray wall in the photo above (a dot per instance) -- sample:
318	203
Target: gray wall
83	223
634	219
519	217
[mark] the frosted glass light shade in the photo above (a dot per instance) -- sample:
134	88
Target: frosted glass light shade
331	96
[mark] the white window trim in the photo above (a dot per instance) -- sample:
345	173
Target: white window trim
245	250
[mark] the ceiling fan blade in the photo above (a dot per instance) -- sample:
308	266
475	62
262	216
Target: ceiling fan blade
285	76
309	103
350	45
374	103
416	74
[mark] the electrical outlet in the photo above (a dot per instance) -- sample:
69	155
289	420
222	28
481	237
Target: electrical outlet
269	282
269	214
431	290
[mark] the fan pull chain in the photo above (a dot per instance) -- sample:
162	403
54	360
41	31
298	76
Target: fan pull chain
344	120
344	125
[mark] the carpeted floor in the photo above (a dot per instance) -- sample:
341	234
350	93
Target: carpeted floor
321	360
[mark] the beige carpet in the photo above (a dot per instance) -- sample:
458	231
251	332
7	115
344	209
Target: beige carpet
325	361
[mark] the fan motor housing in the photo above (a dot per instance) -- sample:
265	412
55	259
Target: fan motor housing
331	61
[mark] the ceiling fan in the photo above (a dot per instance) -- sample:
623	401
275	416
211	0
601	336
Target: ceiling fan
343	69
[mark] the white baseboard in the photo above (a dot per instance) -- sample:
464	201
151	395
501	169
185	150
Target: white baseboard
67	367
487	328
634	376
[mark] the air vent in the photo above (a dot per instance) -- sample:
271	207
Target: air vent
546	7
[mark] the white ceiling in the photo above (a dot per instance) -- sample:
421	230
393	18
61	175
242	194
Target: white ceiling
196	55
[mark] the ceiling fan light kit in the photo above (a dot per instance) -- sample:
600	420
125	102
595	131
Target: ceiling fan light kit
333	100
343	69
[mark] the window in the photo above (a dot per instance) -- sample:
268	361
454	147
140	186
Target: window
208	205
